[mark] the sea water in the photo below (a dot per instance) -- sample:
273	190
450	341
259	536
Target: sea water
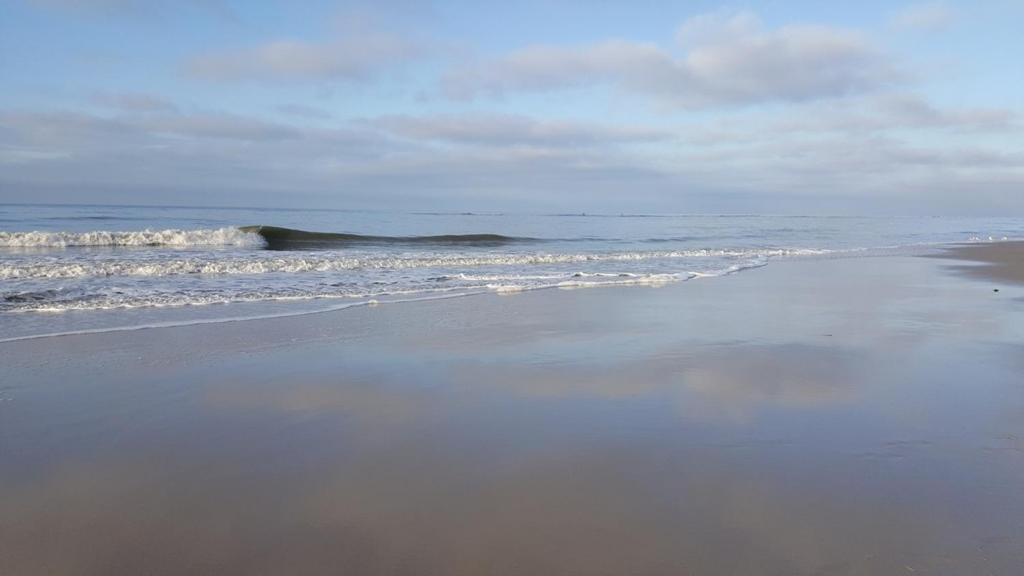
81	268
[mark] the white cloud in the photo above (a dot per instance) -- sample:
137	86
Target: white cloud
217	126
83	4
717	27
139	8
903	111
304	111
725	60
929	16
889	113
133	102
513	130
355	57
215	157
748	161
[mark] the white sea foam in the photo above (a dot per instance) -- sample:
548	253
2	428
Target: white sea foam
259	263
178	238
54	301
633	280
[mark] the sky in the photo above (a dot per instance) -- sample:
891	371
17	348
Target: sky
864	107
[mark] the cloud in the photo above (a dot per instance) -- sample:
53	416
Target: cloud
511	130
873	170
82	4
827	159
303	111
216	152
60	131
101	6
133	102
220	157
219	126
84	133
892	112
929	16
356	57
726	60
912	111
134	8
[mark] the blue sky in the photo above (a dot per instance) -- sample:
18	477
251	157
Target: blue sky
868	107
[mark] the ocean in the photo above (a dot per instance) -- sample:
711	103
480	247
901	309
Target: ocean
81	268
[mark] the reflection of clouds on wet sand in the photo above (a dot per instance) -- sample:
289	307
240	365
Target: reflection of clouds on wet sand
727	382
735	383
420	510
622	510
714	384
163	516
315	396
381	476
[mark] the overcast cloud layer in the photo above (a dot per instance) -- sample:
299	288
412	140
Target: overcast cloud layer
354	106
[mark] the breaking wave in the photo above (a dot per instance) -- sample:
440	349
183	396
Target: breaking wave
175	238
277	238
269	237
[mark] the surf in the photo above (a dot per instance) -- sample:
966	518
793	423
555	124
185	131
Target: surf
228	236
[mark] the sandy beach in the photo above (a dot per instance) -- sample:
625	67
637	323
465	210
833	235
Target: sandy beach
815	416
1001	261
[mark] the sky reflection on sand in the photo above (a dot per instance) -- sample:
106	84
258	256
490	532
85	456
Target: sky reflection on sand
694	428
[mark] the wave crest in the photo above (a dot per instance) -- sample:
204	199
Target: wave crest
177	238
277	238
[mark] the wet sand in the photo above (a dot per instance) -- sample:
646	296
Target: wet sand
1003	261
849	416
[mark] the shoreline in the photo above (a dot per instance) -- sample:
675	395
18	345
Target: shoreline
999	263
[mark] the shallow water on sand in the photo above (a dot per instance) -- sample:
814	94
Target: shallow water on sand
828	417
